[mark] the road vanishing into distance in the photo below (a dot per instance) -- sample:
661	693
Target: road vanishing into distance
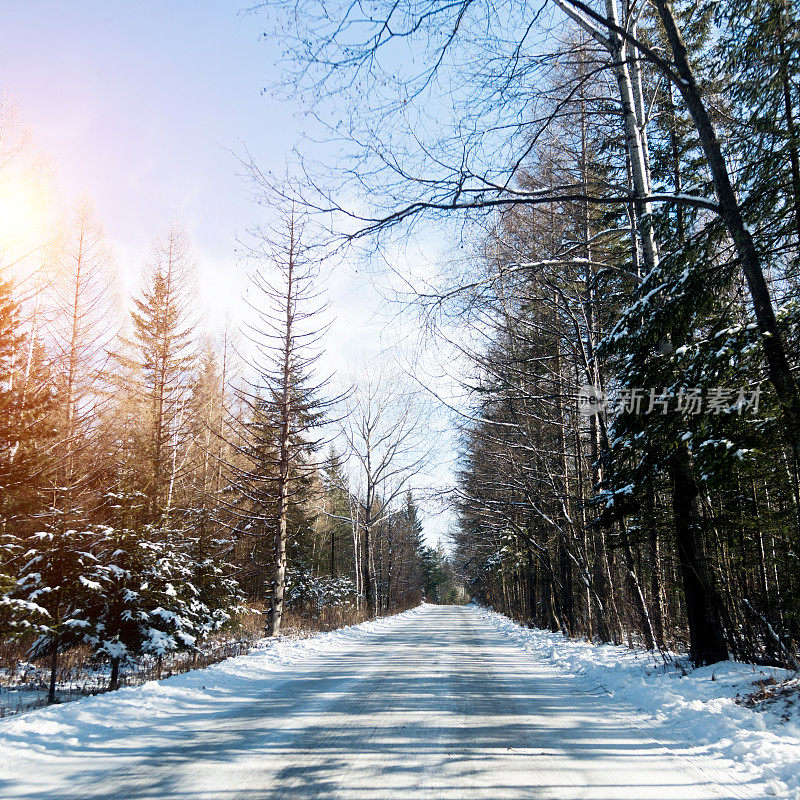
439	706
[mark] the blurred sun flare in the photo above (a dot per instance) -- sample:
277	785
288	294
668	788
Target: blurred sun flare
20	212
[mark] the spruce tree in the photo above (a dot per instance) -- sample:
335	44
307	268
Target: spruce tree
286	409
160	358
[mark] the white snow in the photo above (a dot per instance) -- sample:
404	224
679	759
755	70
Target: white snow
42	751
38	749
699	706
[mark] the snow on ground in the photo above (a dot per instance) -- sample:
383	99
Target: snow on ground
26	687
37	740
696	705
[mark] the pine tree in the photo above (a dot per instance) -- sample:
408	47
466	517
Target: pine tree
160	359
339	523
285	405
25	432
54	573
118	611
757	52
26	402
82	333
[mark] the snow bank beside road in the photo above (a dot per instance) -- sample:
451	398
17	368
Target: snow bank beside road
699	707
43	747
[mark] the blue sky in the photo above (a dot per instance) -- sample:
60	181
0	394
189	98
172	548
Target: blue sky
136	104
139	104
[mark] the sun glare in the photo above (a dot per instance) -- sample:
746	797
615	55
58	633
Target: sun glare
21	212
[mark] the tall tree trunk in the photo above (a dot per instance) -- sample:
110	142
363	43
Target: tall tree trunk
706	636
794	157
333	550
566	606
530	574
51	691
636	591
279	578
366	572
114	681
656	577
279	575
630	90
389	566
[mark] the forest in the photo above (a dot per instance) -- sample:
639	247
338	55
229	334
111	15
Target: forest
165	485
668	514
617	186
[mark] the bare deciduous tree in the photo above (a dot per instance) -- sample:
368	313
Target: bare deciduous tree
388	445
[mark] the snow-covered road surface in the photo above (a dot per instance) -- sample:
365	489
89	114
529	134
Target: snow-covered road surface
436	703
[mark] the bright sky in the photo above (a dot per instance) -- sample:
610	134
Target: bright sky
138	105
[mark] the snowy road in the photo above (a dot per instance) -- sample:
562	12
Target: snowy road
437	704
